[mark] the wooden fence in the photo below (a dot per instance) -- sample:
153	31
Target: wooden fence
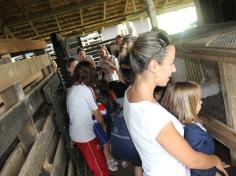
34	136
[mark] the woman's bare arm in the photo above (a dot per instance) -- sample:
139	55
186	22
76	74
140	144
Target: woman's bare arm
178	147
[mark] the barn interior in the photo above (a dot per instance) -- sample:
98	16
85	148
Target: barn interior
205	53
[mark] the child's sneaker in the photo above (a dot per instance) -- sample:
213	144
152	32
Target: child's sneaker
111	166
114	162
124	163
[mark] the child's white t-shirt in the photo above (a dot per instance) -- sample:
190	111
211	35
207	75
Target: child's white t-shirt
144	121
80	104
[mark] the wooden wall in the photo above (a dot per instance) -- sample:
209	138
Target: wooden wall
31	142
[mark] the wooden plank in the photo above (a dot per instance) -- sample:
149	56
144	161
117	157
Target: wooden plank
52	148
11	96
20	113
60	160
32	78
15	72
6	58
37	154
14	162
28	135
16	45
40	117
221	132
227	75
71	171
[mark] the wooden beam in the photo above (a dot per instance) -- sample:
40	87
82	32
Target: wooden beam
56	19
71	171
104	11
28	135
20	8
14	162
68	9
17	45
12	73
126	6
81	16
80	27
11	96
212	56
20	113
166	3
221	132
7	31
134	6
37	154
151	10
60	160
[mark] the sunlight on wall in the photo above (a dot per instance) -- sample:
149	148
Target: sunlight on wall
177	21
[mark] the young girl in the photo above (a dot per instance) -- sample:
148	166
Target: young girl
183	100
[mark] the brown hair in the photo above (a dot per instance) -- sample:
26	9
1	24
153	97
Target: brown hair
84	73
181	99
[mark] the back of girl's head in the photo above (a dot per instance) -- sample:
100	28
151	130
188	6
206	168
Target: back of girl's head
118	88
150	45
69	61
80	49
182	99
84	73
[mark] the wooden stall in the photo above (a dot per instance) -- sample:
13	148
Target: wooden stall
209	52
34	138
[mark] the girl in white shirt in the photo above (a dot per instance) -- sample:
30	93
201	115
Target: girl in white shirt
158	135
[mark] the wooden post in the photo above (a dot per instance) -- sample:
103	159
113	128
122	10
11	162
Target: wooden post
6	58
227	74
151	10
11	96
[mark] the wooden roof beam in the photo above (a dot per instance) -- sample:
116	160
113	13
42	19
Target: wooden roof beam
56	19
126	6
104	10
71	8
134	6
151	10
81	16
7	31
166	3
20	8
83	27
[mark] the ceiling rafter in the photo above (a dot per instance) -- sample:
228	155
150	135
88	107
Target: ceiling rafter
134	6
104	10
20	8
68	9
82	27
7	31
166	3
81	16
56	19
126	6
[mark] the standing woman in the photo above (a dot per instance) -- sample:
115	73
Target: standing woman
81	106
158	135
109	64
